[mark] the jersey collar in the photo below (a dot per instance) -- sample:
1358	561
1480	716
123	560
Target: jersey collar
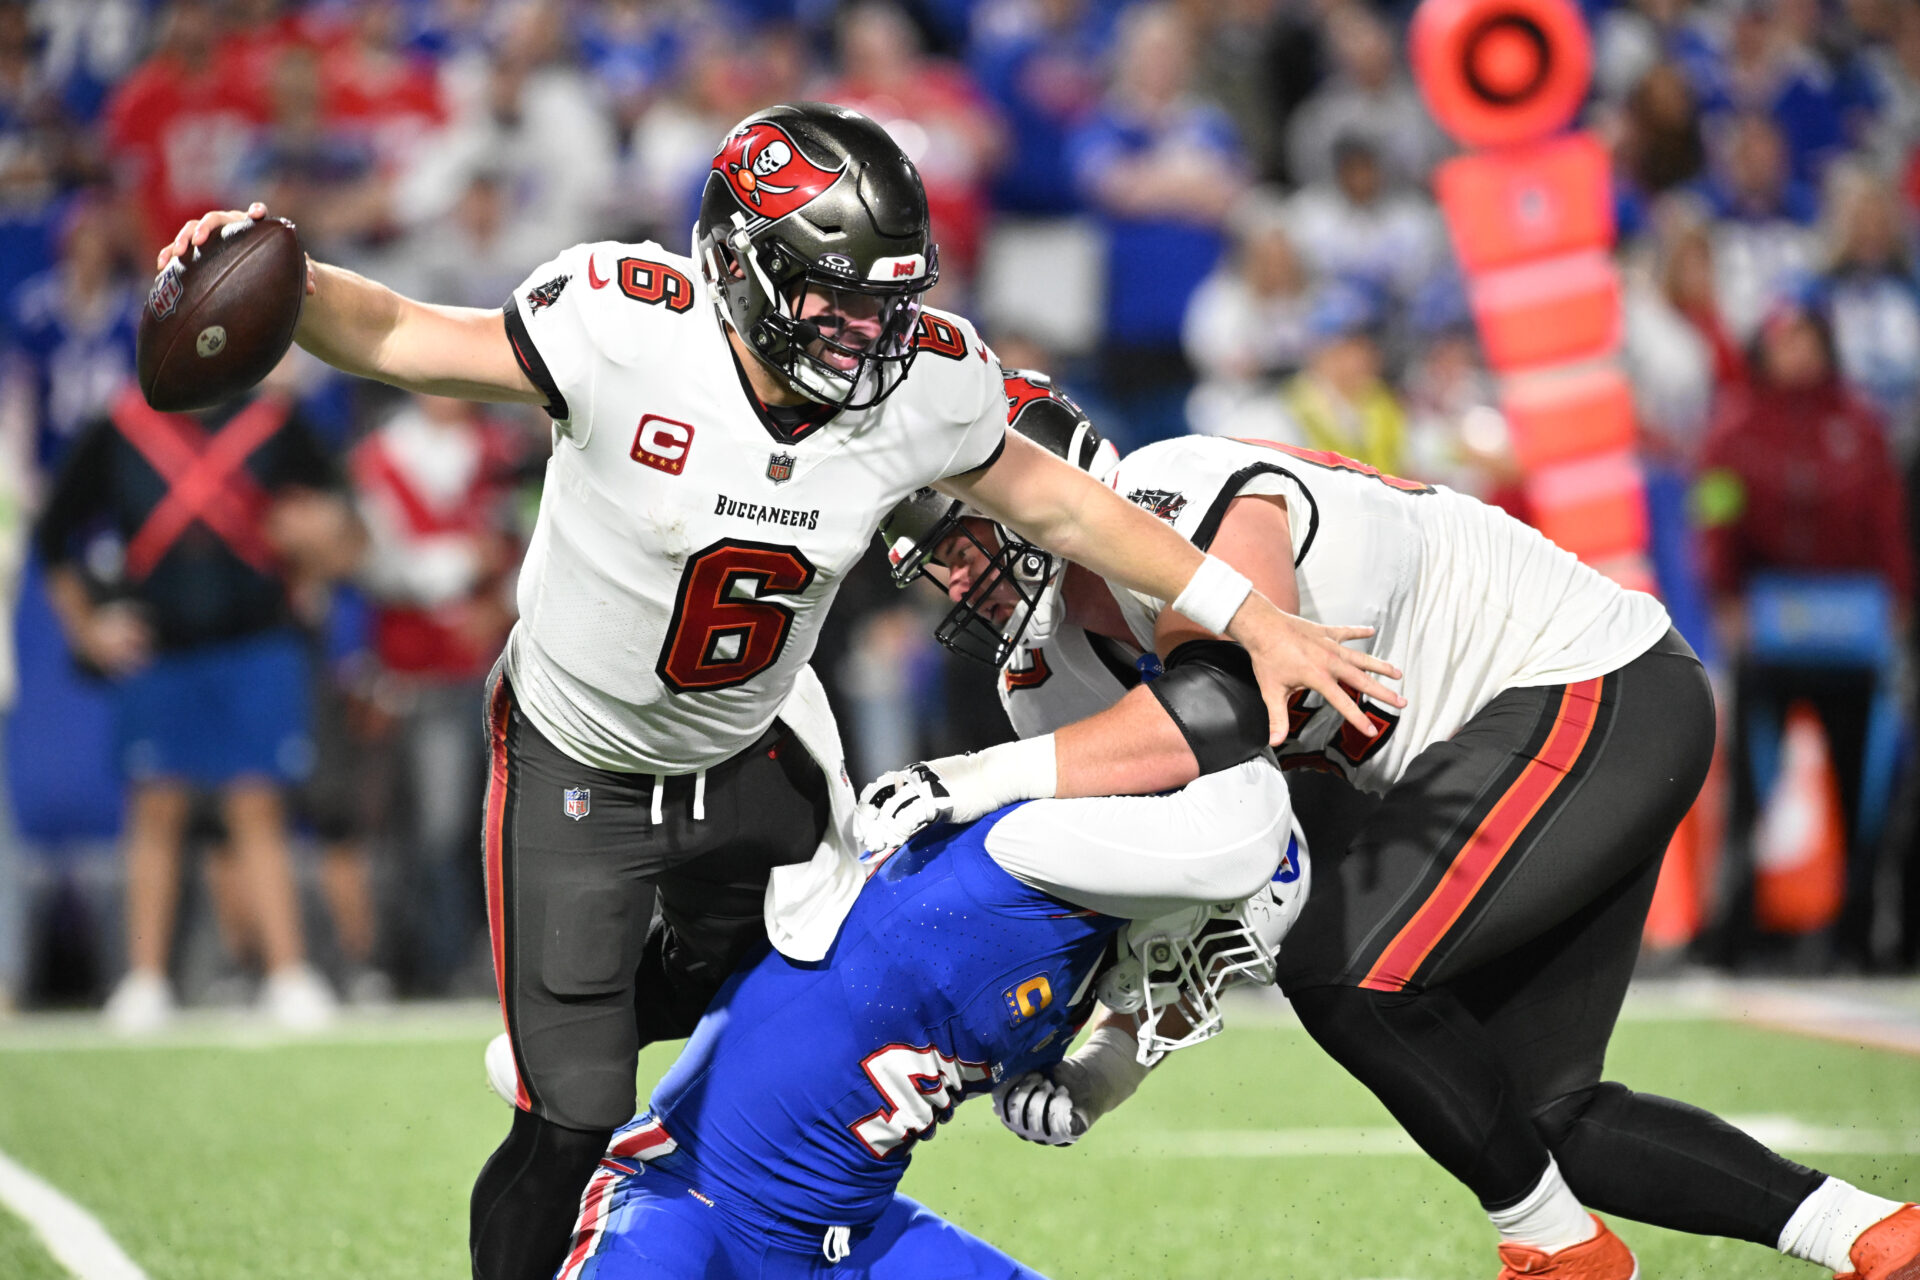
786	424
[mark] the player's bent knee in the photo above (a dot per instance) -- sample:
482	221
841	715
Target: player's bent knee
544	1144
1337	1016
587	1097
1557	1120
527	1196
1210	692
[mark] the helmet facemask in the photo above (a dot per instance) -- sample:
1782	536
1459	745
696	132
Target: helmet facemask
761	288
1179	964
914	537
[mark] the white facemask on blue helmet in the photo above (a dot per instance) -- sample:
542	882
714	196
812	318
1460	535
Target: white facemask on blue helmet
1179	963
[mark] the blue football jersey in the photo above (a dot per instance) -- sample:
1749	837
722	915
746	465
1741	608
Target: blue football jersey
806	1085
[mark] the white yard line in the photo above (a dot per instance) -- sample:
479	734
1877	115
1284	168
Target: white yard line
421	1023
73	1236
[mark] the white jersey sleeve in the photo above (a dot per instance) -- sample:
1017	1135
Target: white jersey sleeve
548	325
1189	482
956	377
1217	839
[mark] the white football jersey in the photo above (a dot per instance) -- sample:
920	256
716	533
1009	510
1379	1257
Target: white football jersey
687	548
1066	678
1463	598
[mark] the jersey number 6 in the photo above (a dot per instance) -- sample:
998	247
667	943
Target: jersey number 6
724	630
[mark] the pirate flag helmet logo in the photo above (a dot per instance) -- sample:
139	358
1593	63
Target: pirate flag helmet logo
767	171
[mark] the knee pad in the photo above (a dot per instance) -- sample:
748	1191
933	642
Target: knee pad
1330	1014
1338	1015
1556	1120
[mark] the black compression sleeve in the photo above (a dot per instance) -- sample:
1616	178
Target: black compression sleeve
1440	1074
1210	691
531	362
527	1197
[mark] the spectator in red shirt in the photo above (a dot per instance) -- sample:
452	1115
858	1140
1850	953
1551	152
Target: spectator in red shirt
1796	476
935	112
435	487
256	33
373	87
179	128
1796	473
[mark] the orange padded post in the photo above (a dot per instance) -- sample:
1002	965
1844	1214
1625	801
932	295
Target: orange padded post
1560	417
1531	217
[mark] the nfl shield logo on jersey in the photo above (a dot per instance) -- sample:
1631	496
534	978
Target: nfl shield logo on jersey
576	801
780	467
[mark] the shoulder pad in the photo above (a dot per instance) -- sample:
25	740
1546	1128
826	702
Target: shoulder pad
954	372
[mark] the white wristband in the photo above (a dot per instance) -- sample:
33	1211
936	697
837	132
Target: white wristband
1213	594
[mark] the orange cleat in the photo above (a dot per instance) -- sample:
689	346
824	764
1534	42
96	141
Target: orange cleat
1605	1257
1889	1249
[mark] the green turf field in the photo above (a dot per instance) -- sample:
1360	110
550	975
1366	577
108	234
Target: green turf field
352	1158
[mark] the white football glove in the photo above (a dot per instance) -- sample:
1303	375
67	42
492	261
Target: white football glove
1055	1107
895	805
1041	1110
954	789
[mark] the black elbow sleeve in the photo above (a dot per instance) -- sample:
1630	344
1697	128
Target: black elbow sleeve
1210	692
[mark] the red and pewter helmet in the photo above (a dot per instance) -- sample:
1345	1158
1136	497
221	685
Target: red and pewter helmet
921	522
815	196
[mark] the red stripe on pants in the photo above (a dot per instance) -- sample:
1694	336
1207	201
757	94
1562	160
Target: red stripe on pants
499	707
1573	724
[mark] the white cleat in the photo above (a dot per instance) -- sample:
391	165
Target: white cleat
299	999
141	1005
502	1075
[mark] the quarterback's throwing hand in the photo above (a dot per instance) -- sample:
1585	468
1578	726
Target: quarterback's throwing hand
1291	653
896	805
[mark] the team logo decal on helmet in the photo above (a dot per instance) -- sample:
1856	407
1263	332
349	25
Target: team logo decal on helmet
1023	389
813	235
767	171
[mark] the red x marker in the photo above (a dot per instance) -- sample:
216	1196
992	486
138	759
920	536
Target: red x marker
206	477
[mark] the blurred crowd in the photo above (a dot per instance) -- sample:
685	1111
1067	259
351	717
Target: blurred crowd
1200	215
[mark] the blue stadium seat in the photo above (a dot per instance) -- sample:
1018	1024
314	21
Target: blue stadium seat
1843	621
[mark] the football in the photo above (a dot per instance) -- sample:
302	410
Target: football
219	319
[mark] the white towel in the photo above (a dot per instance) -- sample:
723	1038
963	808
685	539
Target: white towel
807	901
